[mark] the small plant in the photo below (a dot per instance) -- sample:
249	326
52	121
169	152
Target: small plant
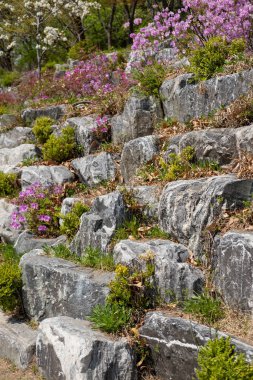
131	293
61	251
8	184
94	258
60	148
210	59
42	129
102	132
10	279
156	233
218	360
38	209
129	228
71	221
150	78
110	318
204	307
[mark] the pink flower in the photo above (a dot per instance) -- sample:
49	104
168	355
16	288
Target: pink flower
42	228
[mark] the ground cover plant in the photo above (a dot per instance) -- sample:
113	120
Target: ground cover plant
8	185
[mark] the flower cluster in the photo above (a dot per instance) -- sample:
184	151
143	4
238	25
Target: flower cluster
103	129
38	209
92	76
195	22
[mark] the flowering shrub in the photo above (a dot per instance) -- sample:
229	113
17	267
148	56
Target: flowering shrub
195	23
38	210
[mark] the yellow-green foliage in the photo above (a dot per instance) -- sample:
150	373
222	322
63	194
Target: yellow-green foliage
218	360
10	279
210	59
71	221
150	78
8	184
177	164
60	148
42	128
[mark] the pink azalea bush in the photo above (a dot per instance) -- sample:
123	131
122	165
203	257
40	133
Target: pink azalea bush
38	210
195	23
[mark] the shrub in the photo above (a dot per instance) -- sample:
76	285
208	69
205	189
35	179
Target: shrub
71	221
38	209
42	129
150	78
60	148
94	258
206	308
218	360
8	184
111	317
10	278
208	60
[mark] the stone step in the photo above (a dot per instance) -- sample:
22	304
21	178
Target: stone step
188	207
68	349
54	287
17	341
175	343
175	278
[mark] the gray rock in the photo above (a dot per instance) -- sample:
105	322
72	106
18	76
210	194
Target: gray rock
15	137
97	227
136	153
54	287
217	145
137	120
68	349
84	130
244	138
175	343
93	169
14	156
46	175
184	100
174	277
7	234
29	115
7	121
28	241
187	208
67	205
147	198
233	269
17	341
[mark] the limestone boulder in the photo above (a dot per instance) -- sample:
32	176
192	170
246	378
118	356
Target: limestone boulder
55	287
46	175
29	115
136	153
69	349
93	169
188	207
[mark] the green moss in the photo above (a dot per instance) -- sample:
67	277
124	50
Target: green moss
218	360
42	129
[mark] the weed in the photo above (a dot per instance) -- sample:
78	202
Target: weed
94	258
110	318
206	308
150	78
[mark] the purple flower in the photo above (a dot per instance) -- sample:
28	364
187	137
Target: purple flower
23	208
42	228
22	219
34	206
44	218
15	225
40	195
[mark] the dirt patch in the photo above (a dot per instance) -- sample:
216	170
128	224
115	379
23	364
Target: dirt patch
9	371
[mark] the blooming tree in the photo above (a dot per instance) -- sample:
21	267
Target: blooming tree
196	22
